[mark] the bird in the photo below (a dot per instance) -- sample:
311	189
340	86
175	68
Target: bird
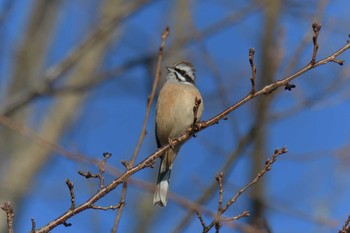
174	115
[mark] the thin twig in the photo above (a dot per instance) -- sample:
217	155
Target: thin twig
101	168
266	168
150	99
71	192
242	144
199	215
145	121
112	207
245	213
120	209
221	189
7	207
316	27
253	68
346	227
219	178
88	174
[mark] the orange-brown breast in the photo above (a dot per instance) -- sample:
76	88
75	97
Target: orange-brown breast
174	112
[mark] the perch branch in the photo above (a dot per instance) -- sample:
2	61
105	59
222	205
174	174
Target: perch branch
268	89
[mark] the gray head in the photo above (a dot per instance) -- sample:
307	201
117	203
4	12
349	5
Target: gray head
182	71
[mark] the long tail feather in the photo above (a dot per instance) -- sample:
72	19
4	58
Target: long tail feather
163	180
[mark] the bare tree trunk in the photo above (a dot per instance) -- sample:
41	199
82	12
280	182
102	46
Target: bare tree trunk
24	158
266	73
16	173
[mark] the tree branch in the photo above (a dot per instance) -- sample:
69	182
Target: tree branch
346	227
150	99
268	89
9	215
268	163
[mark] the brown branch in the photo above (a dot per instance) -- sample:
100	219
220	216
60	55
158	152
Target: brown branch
199	215
120	209
150	99
227	167
88	174
244	214
268	89
71	192
346	227
112	207
267	168
252	65
221	189
9	215
101	170
316	27
200	126
219	178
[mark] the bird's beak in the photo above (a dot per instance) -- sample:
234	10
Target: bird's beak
170	69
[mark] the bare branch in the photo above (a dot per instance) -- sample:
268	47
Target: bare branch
245	213
9	215
88	174
199	215
71	192
316	27
346	227
253	68
199	127
266	168
268	89
112	207
150	99
221	189
101	168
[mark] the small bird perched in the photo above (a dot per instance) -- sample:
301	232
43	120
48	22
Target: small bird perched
174	114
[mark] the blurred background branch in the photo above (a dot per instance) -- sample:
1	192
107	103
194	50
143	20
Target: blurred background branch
75	77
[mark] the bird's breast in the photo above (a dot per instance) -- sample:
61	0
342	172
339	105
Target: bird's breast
174	113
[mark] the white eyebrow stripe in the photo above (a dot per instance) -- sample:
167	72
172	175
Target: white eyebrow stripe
183	76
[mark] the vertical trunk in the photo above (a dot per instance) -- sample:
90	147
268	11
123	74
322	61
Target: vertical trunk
265	75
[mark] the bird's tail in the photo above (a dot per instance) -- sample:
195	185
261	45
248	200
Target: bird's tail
161	191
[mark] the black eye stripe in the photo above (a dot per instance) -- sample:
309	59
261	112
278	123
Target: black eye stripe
183	74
